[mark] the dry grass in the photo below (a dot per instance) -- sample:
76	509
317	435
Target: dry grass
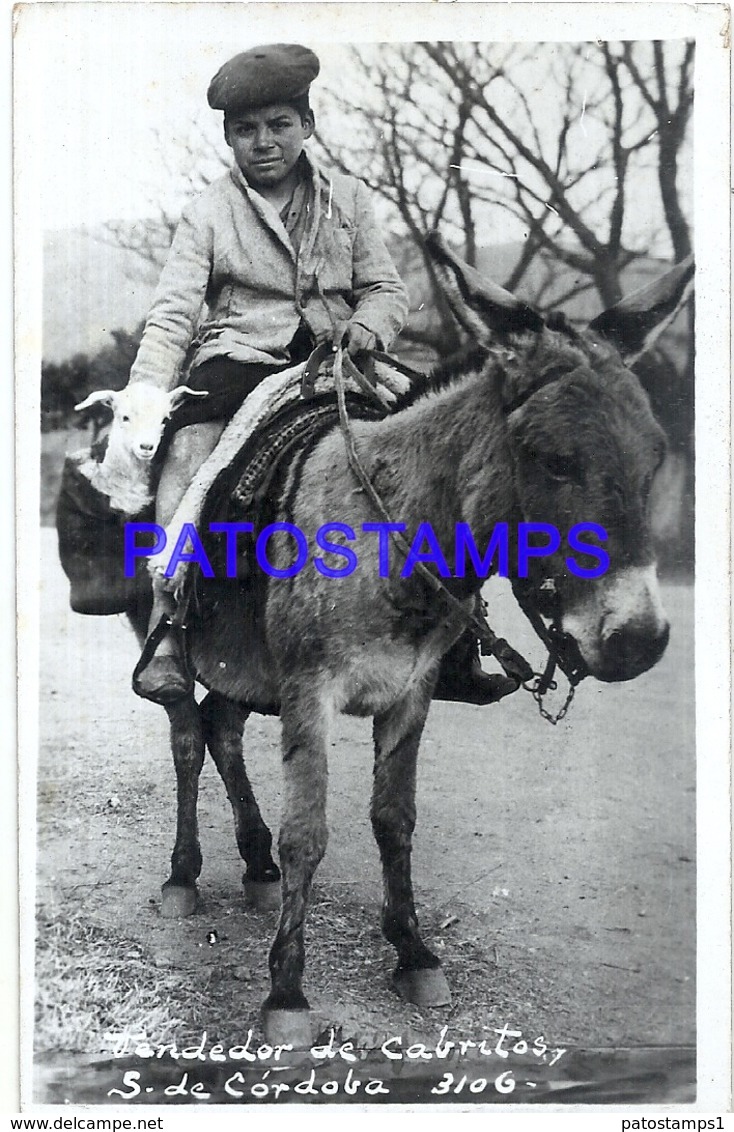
90	982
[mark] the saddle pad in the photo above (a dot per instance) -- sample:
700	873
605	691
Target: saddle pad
247	489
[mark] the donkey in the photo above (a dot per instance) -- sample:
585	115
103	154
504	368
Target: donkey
537	422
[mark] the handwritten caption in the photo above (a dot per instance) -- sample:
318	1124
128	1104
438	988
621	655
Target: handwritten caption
268	1072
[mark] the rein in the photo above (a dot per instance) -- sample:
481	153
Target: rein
513	663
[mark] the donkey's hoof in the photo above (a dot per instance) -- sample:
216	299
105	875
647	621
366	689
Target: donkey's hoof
178	900
262	895
427	987
288	1027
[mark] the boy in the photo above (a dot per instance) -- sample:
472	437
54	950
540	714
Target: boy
284	258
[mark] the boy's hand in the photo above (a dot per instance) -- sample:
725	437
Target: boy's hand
355	338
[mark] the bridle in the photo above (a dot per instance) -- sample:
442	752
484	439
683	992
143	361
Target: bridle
560	646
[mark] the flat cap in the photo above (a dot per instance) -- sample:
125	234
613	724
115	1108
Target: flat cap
277	72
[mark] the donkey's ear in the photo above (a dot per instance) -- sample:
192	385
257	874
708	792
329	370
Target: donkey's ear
634	324
481	307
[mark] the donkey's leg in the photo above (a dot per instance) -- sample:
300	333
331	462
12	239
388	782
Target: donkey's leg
303	837
418	976
187	744
223	721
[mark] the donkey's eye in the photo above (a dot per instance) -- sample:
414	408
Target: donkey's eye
125	420
562	468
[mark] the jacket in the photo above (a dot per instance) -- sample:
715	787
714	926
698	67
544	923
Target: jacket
232	261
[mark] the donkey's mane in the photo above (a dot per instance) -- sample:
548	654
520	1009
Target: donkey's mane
472	358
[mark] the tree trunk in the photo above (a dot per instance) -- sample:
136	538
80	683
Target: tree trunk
667	177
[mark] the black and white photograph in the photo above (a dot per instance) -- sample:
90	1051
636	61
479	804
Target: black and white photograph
372	378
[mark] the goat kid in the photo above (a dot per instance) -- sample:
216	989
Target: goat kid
140	412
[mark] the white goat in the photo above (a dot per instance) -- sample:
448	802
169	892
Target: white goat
140	413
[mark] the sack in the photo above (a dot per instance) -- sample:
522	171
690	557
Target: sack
92	544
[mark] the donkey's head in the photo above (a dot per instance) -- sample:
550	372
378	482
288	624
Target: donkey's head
584	447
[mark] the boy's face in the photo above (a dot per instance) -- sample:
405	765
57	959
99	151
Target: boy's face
267	142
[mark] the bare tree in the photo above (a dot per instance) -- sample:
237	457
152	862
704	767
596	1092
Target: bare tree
552	141
669	95
571	152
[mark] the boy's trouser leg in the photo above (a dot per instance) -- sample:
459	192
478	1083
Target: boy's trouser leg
166	678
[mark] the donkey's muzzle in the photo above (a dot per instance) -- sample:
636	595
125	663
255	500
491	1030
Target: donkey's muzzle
628	651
